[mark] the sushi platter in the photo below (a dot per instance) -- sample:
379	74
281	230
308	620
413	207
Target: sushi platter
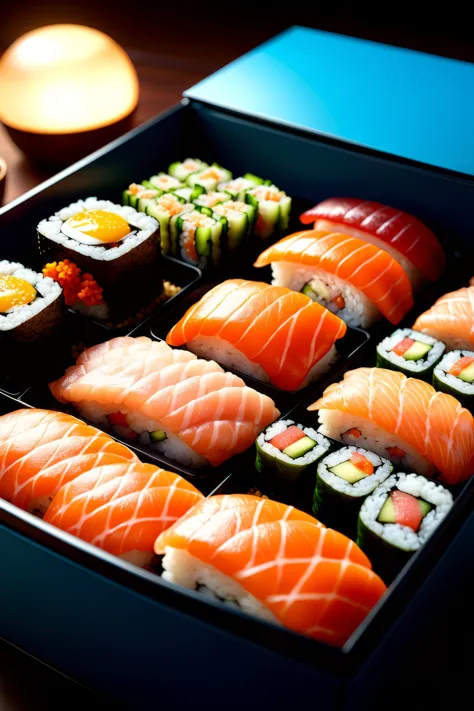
236	405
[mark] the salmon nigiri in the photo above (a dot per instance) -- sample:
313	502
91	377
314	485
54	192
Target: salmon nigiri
276	563
400	234
354	279
403	419
187	409
122	508
269	332
451	319
41	450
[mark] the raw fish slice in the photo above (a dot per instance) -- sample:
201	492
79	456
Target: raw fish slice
282	331
391	229
369	269
122	508
431	422
451	319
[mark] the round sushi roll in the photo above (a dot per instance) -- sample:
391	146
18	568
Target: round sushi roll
114	245
240	220
140	196
398	518
164	182
454	375
273	207
411	352
198	238
166	209
286	449
31	305
344	479
209	178
183	170
238	187
211	199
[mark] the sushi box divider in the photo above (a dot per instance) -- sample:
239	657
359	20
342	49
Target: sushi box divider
289	157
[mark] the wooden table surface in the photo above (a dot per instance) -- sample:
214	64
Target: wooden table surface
25	684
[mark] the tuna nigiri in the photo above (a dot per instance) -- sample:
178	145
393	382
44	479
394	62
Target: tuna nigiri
188	409
451	319
352	278
42	450
403	236
122	508
403	419
269	332
275	563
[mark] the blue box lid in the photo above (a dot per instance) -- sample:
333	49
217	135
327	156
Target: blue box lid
409	104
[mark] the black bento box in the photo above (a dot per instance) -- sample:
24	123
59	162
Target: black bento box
123	630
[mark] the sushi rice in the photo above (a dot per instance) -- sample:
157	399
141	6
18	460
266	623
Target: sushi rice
386	358
358	309
360	488
451	384
272	458
47	292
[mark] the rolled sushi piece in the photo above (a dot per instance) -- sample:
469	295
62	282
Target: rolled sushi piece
186	409
273	562
116	248
199	238
166	209
273	208
211	199
268	332
450	319
410	352
405	237
344	479
398	518
354	279
122	507
240	219
403	419
182	171
454	375
238	187
41	451
31	305
140	197
189	195
209	178
286	449
164	182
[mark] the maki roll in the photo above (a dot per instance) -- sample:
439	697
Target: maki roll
286	449
454	375
209	178
238	187
182	171
163	182
273	208
344	479
354	279
410	352
198	238
402	235
166	209
398	518
240	220
268	332
140	197
115	246
211	199
31	305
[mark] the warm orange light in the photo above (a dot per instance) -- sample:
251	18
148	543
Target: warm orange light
65	79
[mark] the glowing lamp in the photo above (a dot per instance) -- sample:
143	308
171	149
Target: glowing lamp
66	90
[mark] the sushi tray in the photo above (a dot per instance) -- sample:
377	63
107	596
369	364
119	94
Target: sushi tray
236	405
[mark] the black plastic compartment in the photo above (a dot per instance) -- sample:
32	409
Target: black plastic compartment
126	610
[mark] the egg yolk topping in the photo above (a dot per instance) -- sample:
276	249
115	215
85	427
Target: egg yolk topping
15	292
101	225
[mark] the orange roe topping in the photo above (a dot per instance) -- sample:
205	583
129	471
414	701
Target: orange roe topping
76	287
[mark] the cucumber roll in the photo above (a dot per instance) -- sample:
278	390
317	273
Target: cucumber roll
413	353
454	375
344	479
273	208
188	194
140	197
286	449
211	199
166	209
183	170
398	518
164	182
240	220
238	187
209	178
197	238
